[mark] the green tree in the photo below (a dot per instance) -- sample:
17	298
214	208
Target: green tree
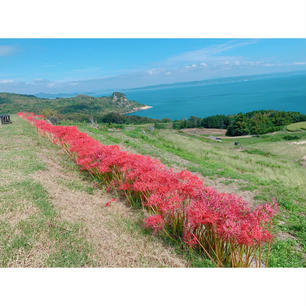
240	126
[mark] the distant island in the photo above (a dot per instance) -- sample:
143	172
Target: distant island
80	107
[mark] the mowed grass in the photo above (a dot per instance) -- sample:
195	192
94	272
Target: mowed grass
31	232
267	165
296	126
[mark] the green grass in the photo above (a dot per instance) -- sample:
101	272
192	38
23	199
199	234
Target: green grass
267	164
296	126
31	231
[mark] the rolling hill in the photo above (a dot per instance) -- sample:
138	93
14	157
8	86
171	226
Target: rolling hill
79	107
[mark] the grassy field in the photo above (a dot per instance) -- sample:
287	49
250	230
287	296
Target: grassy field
296	126
258	169
51	216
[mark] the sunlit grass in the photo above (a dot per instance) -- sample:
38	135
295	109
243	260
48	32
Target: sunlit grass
268	164
296	126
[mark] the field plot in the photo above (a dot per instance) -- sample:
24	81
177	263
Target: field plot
51	216
296	126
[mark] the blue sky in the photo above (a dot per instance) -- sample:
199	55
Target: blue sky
80	65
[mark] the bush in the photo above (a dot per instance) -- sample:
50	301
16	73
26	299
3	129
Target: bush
291	137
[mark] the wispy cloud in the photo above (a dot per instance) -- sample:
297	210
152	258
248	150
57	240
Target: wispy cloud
6	81
88	69
6	50
208	52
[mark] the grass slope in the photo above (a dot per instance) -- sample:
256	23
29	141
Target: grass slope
296	126
51	216
31	232
266	167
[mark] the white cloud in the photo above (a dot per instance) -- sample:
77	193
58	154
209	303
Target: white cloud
203	64
204	53
51	85
191	66
6	50
6	81
299	63
154	71
273	65
168	73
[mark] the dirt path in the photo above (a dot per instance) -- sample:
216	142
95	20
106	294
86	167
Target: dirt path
115	231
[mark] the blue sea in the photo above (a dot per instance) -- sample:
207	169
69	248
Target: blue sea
286	92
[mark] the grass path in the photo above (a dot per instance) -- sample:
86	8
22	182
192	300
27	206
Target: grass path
51	216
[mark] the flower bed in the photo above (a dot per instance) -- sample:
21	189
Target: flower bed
220	225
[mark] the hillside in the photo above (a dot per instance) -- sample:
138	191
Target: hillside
79	107
257	169
52	216
61	209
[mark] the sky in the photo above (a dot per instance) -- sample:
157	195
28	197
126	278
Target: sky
53	66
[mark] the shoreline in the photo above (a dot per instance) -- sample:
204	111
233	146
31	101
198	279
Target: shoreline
139	108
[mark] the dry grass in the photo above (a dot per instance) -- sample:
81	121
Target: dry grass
204	131
116	244
51	216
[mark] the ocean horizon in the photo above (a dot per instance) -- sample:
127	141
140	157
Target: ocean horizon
284	92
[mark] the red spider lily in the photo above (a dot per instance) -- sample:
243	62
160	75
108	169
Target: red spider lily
109	202
220	224
155	222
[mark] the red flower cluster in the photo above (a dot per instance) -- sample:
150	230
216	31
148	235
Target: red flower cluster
220	224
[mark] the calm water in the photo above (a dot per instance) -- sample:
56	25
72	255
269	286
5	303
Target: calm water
223	96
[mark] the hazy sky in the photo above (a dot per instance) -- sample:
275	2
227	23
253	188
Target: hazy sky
80	65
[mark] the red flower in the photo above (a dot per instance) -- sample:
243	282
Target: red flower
109	202
155	222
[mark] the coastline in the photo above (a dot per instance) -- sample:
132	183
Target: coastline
139	108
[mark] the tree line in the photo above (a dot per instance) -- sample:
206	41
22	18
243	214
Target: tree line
251	123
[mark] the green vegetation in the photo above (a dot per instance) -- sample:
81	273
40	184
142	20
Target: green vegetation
262	122
51	215
112	110
266	167
116	118
262	167
252	123
80	108
296	126
31	231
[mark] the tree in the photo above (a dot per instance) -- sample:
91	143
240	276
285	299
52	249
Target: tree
240	126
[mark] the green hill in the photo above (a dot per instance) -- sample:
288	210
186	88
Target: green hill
77	108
